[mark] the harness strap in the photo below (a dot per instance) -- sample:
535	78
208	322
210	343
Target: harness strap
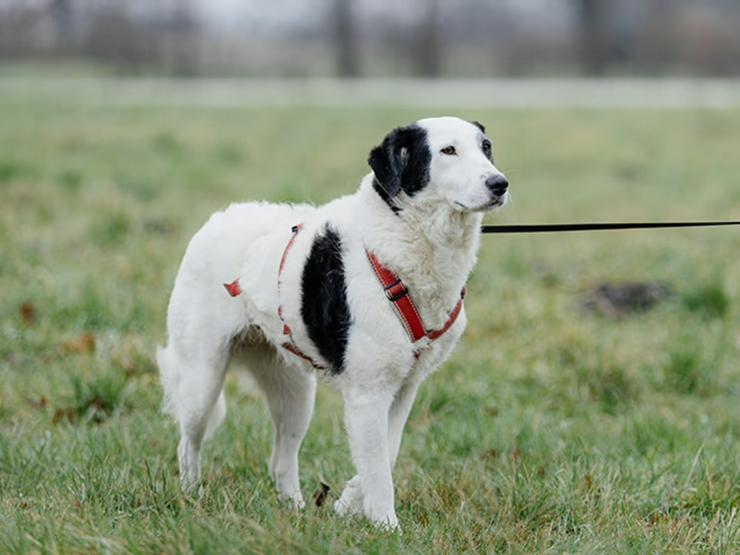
234	289
289	344
399	296
435	334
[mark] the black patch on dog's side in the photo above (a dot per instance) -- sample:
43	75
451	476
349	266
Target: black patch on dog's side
401	163
324	307
479	125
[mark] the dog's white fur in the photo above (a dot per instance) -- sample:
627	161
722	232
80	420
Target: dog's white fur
431	244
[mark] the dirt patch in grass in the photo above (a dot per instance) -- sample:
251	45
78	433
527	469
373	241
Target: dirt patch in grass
618	300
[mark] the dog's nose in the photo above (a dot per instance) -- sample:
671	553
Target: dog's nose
497	184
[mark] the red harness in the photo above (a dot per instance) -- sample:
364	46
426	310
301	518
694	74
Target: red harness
398	294
289	344
395	291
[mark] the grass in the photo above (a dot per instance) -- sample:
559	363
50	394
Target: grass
550	430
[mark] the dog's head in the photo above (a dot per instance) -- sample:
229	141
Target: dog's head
439	160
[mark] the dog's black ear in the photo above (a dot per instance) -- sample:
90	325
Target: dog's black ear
401	162
386	163
479	125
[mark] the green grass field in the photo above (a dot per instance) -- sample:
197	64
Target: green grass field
550	429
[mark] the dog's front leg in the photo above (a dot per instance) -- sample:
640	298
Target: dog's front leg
366	417
399	414
351	500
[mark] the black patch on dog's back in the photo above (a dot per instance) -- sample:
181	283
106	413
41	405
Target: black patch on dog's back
324	307
401	163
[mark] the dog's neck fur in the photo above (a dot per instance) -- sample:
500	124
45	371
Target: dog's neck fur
431	249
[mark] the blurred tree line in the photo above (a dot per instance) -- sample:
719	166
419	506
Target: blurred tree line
354	38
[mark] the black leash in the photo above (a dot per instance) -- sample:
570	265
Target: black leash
557	228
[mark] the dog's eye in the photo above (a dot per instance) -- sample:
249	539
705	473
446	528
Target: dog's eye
487	148
449	150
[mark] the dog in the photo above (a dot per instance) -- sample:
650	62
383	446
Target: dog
365	291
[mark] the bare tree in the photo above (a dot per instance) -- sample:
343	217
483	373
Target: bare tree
61	13
593	47
114	37
429	50
345	39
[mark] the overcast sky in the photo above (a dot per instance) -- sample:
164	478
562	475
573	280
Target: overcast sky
267	14
309	12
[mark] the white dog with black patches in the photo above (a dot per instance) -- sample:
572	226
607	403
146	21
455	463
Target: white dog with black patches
365	290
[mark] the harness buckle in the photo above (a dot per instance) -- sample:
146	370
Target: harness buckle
396	291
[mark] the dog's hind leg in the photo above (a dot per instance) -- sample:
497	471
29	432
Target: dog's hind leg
193	383
290	394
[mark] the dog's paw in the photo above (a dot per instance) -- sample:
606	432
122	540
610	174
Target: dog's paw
350	502
293	501
385	521
342	508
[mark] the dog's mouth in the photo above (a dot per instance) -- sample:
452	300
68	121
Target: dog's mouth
493	204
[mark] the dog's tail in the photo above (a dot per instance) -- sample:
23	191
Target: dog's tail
171	375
